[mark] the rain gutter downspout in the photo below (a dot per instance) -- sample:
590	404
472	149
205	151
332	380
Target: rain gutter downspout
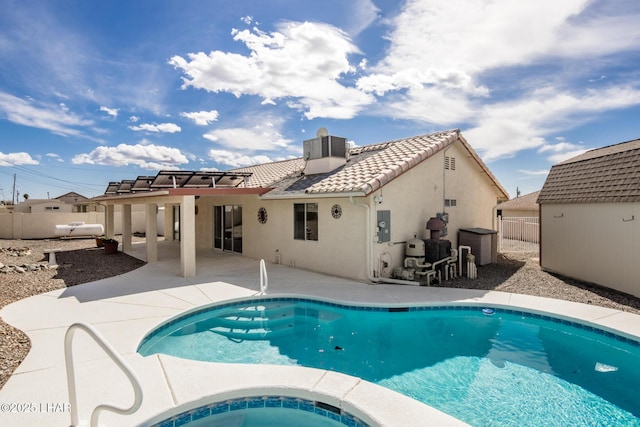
370	252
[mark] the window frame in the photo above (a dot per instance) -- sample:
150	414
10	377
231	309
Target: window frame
305	221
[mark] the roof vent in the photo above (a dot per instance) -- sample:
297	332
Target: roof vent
324	153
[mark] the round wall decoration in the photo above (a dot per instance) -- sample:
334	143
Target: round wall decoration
336	211
262	215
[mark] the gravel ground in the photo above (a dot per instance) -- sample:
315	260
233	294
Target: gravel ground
80	262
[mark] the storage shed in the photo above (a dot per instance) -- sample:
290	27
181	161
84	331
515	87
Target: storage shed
483	243
588	209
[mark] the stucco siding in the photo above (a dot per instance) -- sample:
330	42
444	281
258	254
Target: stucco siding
594	242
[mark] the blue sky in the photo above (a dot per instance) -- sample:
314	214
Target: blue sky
99	91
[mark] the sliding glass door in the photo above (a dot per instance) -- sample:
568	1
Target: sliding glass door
227	228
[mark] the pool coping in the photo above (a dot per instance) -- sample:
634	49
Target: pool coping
124	309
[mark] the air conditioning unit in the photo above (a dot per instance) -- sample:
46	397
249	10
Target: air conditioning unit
325	146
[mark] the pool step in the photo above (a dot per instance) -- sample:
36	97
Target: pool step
255	322
256	333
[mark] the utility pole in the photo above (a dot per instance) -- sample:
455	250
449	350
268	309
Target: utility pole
13	196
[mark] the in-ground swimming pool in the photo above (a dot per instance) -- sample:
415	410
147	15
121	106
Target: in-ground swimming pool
483	366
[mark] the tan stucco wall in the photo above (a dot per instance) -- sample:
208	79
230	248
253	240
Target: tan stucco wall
597	243
41	225
40	206
341	249
336	252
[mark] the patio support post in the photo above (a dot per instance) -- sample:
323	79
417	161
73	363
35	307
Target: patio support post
167	225
126	228
188	236
109	222
151	232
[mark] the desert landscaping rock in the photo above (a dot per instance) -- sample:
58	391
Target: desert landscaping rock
25	271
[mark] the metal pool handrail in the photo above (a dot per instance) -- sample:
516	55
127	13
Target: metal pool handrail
264	280
71	380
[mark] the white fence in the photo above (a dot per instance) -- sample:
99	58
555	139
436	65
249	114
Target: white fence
518	234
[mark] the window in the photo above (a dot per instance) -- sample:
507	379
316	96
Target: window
450	202
450	163
305	221
52	208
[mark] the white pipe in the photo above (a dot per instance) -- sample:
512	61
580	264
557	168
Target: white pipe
370	252
460	248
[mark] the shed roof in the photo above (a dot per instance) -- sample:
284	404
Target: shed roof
603	175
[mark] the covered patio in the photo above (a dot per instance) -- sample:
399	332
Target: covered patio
182	199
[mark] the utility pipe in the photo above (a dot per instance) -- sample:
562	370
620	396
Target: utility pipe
460	248
370	252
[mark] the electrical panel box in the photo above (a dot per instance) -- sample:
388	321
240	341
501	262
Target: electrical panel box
383	225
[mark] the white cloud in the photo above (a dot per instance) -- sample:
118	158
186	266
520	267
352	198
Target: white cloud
134	119
145	156
534	173
113	112
262	137
259	138
202	118
442	56
561	150
236	160
504	128
54	118
361	14
55	157
459	39
162	127
300	61
15	159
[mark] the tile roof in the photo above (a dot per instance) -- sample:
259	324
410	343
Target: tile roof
369	167
266	174
526	202
603	175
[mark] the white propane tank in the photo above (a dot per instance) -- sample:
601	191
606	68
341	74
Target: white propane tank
78	229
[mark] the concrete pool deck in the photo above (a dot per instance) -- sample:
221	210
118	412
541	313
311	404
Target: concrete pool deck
125	308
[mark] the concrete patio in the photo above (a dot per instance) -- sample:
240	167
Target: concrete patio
124	308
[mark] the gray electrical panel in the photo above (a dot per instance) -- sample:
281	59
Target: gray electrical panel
383	225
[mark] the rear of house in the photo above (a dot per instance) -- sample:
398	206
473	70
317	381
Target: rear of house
338	210
590	217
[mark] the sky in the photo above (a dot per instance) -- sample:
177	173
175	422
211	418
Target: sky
100	91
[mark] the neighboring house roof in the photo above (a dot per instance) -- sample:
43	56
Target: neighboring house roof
603	175
368	168
527	202
72	197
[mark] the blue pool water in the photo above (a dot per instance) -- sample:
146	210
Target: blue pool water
485	367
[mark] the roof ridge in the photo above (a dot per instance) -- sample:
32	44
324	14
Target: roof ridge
607	150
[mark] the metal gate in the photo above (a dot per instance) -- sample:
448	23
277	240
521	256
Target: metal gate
518	234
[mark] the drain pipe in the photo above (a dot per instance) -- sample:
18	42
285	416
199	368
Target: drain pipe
370	252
